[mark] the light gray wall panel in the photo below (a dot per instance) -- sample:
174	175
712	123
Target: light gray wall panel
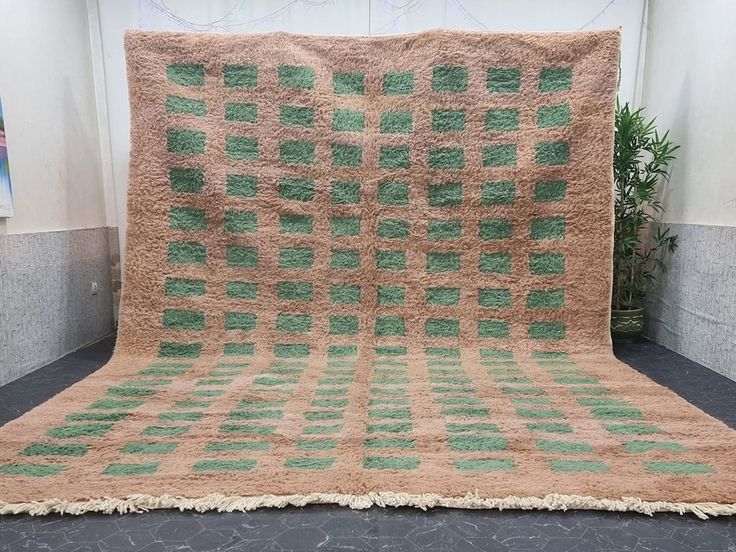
47	308
693	312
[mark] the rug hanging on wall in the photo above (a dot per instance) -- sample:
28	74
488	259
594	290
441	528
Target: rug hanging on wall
368	271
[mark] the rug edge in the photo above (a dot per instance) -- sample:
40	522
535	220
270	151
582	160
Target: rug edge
217	502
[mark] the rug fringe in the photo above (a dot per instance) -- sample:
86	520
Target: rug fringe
222	503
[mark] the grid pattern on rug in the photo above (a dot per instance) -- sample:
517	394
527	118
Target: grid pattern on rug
396	279
469	425
367	265
374	254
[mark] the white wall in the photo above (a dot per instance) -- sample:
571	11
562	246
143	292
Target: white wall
345	17
690	85
48	100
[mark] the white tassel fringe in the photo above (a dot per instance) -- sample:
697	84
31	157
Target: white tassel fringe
222	503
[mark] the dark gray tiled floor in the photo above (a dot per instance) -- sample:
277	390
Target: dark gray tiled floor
396	529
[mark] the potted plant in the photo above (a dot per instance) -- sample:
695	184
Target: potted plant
641	158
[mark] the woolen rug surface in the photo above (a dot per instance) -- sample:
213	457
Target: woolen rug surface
369	270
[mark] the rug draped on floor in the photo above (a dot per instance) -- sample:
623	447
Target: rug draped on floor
368	270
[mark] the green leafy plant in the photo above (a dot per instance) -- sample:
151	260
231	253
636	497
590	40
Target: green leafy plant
640	164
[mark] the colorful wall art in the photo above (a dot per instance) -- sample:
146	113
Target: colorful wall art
6	192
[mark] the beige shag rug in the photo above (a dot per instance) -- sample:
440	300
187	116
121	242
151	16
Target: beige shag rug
369	270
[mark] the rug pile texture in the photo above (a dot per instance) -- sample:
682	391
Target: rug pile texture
369	270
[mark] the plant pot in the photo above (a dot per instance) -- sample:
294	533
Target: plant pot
626	325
